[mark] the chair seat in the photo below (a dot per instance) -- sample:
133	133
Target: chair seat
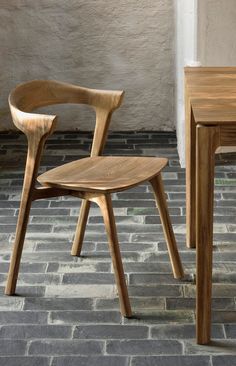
103	173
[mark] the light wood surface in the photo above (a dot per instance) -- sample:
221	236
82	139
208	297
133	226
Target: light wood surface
33	158
212	94
210	108
105	205
81	226
214	111
210	99
159	194
91	179
206	145
103	173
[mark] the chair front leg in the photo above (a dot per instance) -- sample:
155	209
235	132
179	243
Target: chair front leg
35	147
105	205
80	230
18	244
159	193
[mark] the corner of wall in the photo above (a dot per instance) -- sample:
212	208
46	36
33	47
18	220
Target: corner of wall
186	54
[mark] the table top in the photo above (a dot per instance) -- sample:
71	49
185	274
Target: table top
211	92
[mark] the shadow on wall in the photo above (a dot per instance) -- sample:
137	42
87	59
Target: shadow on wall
107	45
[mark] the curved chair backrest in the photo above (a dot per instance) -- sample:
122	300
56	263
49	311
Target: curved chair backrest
38	93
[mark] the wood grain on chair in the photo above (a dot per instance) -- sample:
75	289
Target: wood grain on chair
92	179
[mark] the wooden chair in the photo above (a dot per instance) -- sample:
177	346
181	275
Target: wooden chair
92	179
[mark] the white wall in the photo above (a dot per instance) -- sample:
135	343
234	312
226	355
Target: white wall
217	32
97	43
205	31
216	38
186	54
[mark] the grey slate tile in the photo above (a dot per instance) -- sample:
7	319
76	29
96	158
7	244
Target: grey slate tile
182	331
144	347
110	332
224	360
190	303
23	317
88	278
10	347
24	361
25	291
65	347
230	330
26	267
35	331
158	290
80	317
154	316
146	265
171	361
49	303
215	347
90	361
137	303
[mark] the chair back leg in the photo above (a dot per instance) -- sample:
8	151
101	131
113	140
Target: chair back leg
105	205
80	230
159	193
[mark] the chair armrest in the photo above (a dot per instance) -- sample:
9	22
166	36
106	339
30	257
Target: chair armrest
106	99
40	125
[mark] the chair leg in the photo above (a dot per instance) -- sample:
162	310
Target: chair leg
18	244
105	205
80	230
35	146
159	193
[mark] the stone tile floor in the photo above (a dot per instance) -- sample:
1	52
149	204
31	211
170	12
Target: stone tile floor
66	312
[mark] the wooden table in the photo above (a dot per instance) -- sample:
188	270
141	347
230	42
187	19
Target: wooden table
210	106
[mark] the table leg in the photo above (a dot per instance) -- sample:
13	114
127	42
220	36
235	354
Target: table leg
190	131
205	150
